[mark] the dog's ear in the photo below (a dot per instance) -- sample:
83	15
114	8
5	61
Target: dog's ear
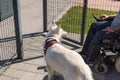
57	30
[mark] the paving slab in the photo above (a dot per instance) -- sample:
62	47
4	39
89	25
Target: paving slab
40	76
5	77
14	73
15	79
28	76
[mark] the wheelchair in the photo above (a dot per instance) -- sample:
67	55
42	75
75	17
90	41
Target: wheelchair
109	53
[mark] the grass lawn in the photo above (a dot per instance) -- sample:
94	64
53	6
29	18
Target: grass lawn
71	21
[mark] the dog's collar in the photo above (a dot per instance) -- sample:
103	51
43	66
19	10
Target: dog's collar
49	42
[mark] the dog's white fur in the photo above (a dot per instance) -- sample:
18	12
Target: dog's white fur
64	61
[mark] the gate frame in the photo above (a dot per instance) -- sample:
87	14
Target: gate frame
83	20
44	15
82	25
18	32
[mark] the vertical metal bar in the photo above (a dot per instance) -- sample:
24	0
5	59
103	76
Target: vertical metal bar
83	20
17	23
0	11
44	15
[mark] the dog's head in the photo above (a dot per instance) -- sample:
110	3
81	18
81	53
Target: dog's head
56	31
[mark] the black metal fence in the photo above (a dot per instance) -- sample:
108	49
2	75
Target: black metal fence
9	32
63	13
7	41
75	16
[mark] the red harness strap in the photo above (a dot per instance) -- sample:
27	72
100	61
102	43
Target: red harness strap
49	42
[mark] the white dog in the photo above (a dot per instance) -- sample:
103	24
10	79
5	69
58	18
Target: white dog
64	61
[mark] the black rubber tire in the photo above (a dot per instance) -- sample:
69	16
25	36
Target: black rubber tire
102	68
117	64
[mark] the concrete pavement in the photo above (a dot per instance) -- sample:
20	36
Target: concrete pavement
31	16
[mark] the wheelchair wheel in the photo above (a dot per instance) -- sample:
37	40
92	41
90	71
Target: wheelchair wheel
117	64
101	68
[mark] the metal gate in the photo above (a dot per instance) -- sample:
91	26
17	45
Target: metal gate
68	15
75	16
9	32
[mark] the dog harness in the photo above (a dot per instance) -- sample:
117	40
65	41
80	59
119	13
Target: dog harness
49	42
